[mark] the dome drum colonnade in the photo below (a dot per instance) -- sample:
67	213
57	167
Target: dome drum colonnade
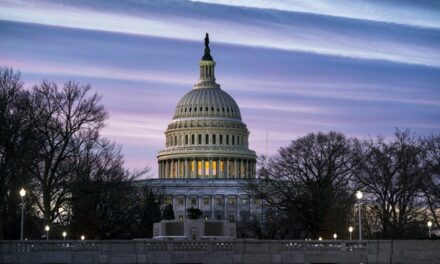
207	138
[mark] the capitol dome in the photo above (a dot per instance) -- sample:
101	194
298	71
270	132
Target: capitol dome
206	138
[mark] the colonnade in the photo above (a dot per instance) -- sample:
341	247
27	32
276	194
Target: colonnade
207	168
229	207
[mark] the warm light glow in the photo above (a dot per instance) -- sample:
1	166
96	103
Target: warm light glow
319	238
83	237
206	168
47	228
222	166
64	234
199	168
350	229
429	223
335	236
192	166
22	192
359	195
214	168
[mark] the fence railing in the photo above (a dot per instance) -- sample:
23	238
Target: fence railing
154	245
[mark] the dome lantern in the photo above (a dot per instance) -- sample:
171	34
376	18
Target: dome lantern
207	66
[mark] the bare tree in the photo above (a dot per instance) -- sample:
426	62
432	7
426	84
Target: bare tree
391	175
310	181
17	149
65	120
431	186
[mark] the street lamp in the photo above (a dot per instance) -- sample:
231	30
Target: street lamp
47	228
64	235
429	228
83	237
22	194
359	197
319	238
335	236
350	229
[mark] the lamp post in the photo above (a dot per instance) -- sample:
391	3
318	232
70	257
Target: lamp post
335	236
429	228
22	194
359	197
47	228
64	235
350	230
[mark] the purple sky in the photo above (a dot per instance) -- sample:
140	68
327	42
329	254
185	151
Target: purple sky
359	67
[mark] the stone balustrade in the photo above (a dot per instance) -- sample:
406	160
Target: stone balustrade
237	251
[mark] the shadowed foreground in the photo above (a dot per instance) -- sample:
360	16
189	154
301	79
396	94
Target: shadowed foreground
238	251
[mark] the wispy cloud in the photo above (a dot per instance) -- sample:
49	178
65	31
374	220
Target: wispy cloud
259	28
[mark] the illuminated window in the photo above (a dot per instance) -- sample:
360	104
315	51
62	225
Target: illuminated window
245	201
206	201
206	168
231	201
199	168
180	217
214	168
231	219
222	166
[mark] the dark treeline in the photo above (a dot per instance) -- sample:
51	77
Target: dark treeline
310	187
50	145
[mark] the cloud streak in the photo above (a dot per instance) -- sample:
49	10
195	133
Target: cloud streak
249	27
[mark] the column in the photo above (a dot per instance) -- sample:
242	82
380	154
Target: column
184	202
200	203
186	172
195	169
226	168
172	169
203	168
210	169
212	207
178	168
166	169
247	170
236	169
237	215
241	169
218	168
225	207
173	203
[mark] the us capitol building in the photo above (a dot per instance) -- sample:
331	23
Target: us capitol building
206	162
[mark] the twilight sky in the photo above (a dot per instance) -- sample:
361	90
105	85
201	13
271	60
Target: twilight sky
359	67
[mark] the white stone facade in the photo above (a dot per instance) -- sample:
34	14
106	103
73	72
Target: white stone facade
207	161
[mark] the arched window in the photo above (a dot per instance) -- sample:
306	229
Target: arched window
221	139
206	139
186	139
238	140
175	140
192	139
207	109
200	139
233	140
227	139
213	139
